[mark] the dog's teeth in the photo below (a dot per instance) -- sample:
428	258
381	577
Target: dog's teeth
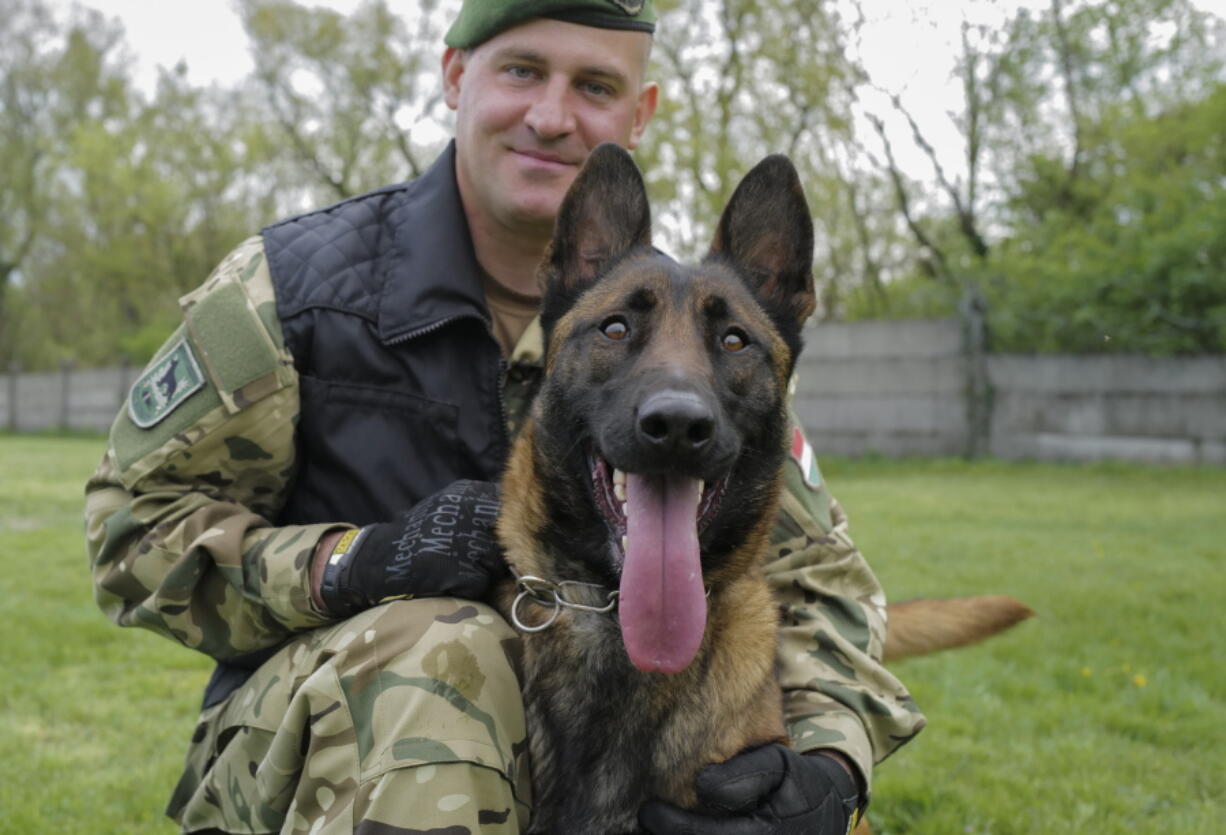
619	477
619	490
625	543
702	485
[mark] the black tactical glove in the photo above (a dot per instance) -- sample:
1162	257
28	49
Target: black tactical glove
769	790
445	546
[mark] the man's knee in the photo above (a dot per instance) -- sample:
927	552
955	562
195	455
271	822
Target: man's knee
405	685
432	681
439	645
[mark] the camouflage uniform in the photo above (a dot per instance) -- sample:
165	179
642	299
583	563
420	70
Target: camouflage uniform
407	717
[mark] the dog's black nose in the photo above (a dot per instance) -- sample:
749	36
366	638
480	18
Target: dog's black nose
677	422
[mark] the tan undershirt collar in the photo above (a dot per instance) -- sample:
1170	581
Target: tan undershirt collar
511	313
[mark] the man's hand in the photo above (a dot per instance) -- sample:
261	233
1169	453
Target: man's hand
445	546
771	789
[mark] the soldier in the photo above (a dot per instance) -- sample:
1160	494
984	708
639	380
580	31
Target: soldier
302	483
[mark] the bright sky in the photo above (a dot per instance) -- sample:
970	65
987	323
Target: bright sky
904	48
206	34
908	47
903	42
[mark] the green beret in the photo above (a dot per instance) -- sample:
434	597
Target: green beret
480	20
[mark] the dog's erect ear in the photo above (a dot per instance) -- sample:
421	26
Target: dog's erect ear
766	231
604	215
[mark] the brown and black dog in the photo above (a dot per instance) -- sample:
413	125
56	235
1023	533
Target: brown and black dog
640	495
651	465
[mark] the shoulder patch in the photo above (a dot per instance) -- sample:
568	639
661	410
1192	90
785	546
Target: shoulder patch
167	383
802	455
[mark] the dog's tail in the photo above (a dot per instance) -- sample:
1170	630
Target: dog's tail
918	627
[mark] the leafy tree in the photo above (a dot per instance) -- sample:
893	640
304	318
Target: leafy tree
1055	168
1141	267
123	201
1086	203
155	201
353	101
53	81
745	78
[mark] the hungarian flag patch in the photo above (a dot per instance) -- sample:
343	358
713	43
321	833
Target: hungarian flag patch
803	455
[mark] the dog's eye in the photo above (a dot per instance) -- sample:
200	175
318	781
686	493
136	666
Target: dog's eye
735	340
615	328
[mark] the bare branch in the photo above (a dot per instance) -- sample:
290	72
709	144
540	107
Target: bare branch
284	104
401	137
859	215
1072	99
974	109
681	69
965	211
940	264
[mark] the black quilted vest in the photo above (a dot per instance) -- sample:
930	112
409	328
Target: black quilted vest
381	304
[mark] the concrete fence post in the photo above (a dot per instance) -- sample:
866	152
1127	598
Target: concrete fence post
977	390
65	394
14	372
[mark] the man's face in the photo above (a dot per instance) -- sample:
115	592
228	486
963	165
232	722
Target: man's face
530	104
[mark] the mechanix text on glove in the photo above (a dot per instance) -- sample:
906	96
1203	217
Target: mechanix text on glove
446	546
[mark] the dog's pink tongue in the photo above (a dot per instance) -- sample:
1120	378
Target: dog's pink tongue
662	605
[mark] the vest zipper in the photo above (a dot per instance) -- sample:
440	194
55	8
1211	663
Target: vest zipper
405	337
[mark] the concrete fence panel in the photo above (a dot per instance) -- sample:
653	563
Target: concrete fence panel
825	377
893	388
1123	407
71	398
885	339
38	401
97	395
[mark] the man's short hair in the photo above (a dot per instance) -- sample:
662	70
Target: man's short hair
480	20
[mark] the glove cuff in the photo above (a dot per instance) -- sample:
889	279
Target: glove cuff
846	787
337	594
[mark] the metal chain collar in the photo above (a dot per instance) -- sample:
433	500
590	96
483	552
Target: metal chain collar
554	596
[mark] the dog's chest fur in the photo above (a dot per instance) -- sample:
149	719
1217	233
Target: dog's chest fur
593	734
604	737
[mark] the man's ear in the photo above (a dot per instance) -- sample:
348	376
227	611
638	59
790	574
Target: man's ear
454	62
644	109
603	217
766	232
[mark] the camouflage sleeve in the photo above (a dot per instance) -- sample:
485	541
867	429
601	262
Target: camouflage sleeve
837	694
198	461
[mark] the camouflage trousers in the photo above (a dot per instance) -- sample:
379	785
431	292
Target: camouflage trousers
406	718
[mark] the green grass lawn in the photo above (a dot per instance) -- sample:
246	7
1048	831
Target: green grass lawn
94	720
1106	714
